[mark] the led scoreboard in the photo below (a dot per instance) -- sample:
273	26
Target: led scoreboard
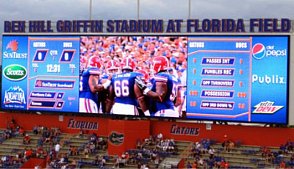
237	78
230	78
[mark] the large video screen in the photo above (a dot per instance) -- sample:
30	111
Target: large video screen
227	78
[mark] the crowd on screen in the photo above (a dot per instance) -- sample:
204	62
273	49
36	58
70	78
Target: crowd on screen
141	50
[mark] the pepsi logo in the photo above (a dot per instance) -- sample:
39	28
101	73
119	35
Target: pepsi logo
258	51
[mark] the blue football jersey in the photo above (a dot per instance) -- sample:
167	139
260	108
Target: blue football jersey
167	103
85	91
123	85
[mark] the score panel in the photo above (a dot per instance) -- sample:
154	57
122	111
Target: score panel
53	81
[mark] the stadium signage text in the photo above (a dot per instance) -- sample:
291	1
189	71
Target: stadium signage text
184	130
87	125
262	25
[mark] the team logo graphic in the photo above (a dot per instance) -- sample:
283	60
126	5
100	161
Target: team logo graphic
266	107
15	72
258	51
12	45
14	95
116	138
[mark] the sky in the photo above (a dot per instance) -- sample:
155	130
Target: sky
149	9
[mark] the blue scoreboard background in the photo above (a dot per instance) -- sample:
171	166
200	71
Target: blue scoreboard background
50	75
238	78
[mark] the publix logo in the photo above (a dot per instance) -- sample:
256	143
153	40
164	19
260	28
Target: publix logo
15	72
259	51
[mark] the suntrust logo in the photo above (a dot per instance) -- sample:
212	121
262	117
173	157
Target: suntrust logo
260	51
12	45
12	51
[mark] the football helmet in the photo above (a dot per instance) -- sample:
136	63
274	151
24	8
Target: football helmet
128	64
94	61
145	76
112	66
160	63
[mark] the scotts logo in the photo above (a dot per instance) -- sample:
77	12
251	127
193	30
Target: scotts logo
15	72
116	138
259	51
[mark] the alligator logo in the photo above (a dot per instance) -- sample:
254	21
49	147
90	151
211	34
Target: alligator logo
116	138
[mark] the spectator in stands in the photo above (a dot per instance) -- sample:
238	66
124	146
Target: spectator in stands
139	144
230	145
81	133
222	163
227	165
99	161
159	137
156	161
92	148
35	130
39	152
282	165
7	133
194	165
73	164
46	135
211	152
12	124
289	146
102	144
73	151
57	148
28	153
189	165
26	139
148	141
93	138
86	151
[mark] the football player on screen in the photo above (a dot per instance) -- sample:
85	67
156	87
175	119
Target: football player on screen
163	85
89	86
124	95
112	68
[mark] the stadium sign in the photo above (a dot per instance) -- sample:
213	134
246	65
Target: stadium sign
87	125
184	130
261	25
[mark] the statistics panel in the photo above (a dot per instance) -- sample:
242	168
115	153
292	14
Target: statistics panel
232	78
